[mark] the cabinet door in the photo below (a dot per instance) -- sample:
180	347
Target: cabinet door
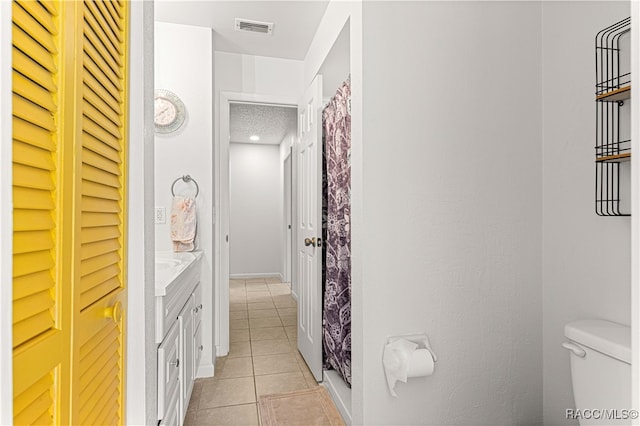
197	350
185	320
169	373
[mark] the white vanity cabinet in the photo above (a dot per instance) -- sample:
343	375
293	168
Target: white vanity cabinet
178	316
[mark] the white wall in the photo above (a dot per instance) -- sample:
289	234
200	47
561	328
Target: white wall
255	223
184	65
586	258
449	242
6	218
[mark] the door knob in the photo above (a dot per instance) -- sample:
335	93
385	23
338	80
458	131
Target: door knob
114	312
310	242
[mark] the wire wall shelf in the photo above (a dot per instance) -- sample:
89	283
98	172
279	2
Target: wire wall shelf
613	142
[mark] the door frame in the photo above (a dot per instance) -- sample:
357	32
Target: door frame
221	208
287	227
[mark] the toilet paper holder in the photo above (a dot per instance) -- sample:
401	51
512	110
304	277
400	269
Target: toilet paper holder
406	356
420	339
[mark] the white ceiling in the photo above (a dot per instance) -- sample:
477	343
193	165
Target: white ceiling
270	123
295	23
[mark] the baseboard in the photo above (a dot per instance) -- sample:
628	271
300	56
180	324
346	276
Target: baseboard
205	370
256	275
294	295
340	393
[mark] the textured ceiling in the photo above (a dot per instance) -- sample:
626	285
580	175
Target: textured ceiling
295	23
270	123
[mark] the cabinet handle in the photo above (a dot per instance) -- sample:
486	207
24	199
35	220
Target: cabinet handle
201	347
176	363
200	306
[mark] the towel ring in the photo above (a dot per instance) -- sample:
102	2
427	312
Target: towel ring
185	178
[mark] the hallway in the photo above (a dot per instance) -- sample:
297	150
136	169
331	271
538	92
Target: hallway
263	357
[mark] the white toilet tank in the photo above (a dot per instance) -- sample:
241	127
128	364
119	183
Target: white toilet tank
600	372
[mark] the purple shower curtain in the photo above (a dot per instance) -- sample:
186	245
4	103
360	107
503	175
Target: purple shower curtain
336	121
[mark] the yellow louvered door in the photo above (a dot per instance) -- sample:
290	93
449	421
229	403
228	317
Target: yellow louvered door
41	312
69	140
99	296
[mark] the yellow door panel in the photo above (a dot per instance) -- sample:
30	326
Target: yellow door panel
69	84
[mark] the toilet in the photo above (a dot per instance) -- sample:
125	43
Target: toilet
600	353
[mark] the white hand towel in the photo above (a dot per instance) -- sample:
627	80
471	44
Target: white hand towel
183	223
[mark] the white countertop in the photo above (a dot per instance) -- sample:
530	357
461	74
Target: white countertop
170	265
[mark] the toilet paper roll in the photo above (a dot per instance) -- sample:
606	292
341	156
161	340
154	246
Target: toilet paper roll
421	363
402	359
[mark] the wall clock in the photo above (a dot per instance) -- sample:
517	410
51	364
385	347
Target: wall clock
169	111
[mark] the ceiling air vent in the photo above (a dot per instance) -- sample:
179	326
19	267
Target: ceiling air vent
254	26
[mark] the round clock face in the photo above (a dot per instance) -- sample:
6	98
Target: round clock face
169	112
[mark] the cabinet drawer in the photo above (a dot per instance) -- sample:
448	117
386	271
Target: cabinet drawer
169	372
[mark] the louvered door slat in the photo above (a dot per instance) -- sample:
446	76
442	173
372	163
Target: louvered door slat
31	26
26	132
29	198
102	119
91	204
50	6
99	103
98	132
34	283
30	67
95	249
24	242
115	14
95	293
32	113
30	90
34	50
29	306
113	35
35	392
98	277
32	220
30	155
28	263
99	234
97	190
94	174
31	177
114	49
102	46
95	145
31	328
97	160
40	14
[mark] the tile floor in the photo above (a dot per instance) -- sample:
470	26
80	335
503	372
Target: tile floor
263	357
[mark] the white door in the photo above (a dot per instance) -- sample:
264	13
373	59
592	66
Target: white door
309	226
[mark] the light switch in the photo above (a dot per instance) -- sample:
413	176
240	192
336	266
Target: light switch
161	215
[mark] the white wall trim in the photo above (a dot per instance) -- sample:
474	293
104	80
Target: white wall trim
635	217
221	208
6	218
340	393
141	365
256	275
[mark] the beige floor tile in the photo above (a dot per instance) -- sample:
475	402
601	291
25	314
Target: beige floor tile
234	285
237	367
257	287
255	281
273	280
292	332
287	311
219	393
238	324
234	315
258	296
239	349
237	299
284	301
263	313
289	320
237	291
195	399
235	307
254	306
280	383
271	347
236	281
239	336
274	364
264	322
285	286
190	418
245	415
268	333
